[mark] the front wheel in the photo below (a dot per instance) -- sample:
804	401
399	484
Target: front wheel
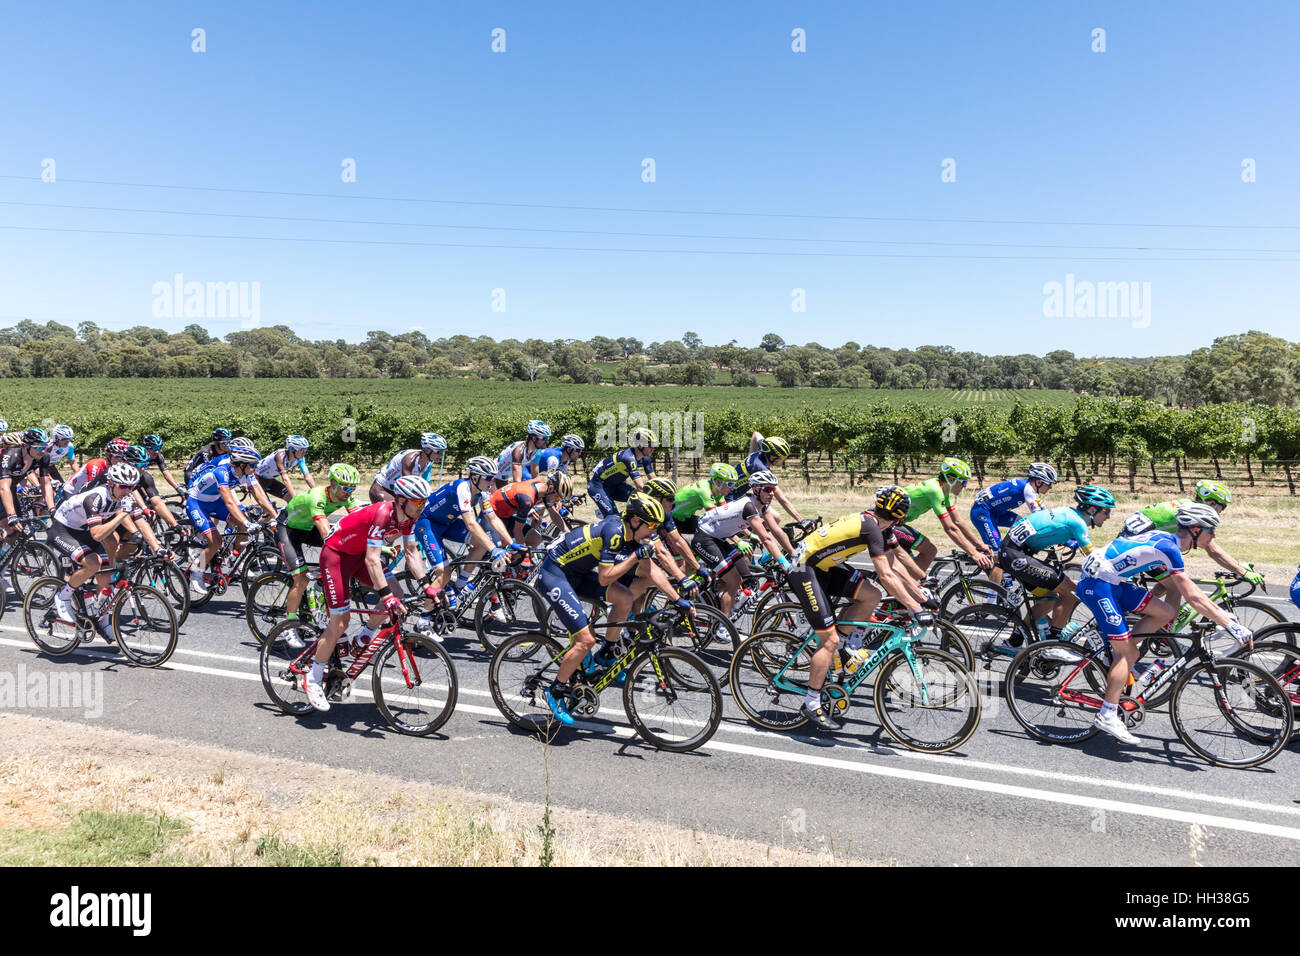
414	683
932	706
167	578
507	608
968	592
672	700
1229	712
144	626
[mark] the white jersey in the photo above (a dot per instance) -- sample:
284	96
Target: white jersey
393	470
269	467
728	518
92	507
506	460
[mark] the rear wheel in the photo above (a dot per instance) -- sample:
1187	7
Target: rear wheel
28	562
264	606
505	609
53	636
970	591
1049	694
282	665
769	678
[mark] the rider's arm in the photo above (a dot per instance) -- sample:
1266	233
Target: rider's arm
1223	558
232	507
105	528
260	497
770	543
167	477
777	532
7	496
755	442
282	466
899	556
1198	599
896	584
785	503
678	545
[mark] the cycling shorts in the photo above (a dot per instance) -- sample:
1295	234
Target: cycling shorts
204	515
76	543
273	486
1027	569
430	536
604	497
719	556
337	571
808	591
909	539
1110	602
291	541
564	593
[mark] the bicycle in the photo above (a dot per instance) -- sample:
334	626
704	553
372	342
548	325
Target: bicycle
257	556
141	618
1281	659
413	682
23	561
963	585
769	681
1226	711
669	695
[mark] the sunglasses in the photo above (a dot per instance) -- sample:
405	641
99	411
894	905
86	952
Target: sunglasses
346	489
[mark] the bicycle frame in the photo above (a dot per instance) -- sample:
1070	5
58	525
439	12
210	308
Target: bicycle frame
898	641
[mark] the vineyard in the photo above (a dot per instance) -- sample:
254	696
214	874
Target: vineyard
861	435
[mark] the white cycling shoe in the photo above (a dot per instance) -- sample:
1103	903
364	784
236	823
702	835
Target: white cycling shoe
315	693
196	584
1114	725
64	610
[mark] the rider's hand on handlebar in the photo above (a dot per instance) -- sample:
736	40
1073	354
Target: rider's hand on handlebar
983	560
393	604
644	551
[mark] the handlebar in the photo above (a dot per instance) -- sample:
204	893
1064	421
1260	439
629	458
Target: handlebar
796	531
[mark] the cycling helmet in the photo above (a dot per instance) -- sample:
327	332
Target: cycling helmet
642	506
483	466
573	443
63	433
245	456
1044	472
775	447
297	443
954	469
892	502
135	455
241	442
1197	516
762	479
152	442
221	434
1212	491
123	474
4	425
411	486
14	438
344	474
661	488
539	429
430	441
1094	496
34	437
721	471
641	438
561	483
116	448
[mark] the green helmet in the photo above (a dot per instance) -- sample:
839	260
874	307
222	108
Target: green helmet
1212	491
721	471
344	474
954	469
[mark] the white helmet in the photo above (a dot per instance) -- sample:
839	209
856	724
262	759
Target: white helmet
411	486
124	474
297	443
244	455
483	466
431	441
63	433
762	479
240	442
539	429
573	443
1197	516
1044	472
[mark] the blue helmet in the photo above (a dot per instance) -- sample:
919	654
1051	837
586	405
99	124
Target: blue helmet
1094	496
152	442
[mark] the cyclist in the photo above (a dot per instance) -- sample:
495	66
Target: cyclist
591	562
146	491
409	461
704	494
95	467
354	550
936	495
1042	529
677	550
995	506
153	445
220	445
725	559
304	521
616	478
452	514
558	458
767	454
83	529
1106	589
512	463
822	572
212	499
273	470
62	448
19	461
514	504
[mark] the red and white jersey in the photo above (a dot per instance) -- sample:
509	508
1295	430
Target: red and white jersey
370	527
93	507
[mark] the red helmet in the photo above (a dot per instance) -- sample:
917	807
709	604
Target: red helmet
116	448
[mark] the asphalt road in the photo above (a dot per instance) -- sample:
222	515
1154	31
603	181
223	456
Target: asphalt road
1002	798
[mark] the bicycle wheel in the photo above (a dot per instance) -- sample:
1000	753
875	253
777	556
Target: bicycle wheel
282	666
170	581
416	689
672	700
753	678
1256	615
968	592
711	637
53	636
1052	699
991	626
144	625
1227	712
264	606
1287	632
948	638
780	616
932	708
521	670
263	560
507	608
1282	662
28	562
767	599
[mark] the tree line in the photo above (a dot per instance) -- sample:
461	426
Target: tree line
1252	366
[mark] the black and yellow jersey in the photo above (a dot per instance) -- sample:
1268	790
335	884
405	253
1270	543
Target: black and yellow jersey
835	543
600	543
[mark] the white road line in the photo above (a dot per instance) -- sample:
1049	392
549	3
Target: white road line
624	730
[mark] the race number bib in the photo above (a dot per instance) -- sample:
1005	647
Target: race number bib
1021	533
1093	566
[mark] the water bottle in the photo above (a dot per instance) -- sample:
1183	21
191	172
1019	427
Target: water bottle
1043	628
1071	629
1147	677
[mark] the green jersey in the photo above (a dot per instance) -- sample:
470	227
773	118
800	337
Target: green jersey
1162	514
692	499
928	496
305	507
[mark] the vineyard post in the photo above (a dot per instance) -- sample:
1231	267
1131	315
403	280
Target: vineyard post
1178	470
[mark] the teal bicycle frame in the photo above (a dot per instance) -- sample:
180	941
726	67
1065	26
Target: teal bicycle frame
898	640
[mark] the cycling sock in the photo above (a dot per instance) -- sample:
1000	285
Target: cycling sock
317	672
363	636
291	616
461	581
813	698
1108	709
65	593
559	688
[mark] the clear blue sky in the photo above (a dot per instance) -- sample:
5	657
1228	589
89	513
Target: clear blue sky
1153	130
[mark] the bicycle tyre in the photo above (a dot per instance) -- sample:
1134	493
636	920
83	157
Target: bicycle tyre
1263	728
993	625
969	592
29	561
60	639
1288	632
958	693
282	685
437	673
264	559
680	674
753	669
1256	615
171	581
521	670
144	626
1282	662
517	601
779	616
1033	687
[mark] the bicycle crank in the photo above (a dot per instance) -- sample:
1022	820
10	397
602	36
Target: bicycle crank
1133	711
584	702
835	701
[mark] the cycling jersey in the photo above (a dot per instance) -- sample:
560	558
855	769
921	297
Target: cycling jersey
370	527
835	543
450	501
204	456
14	464
730	518
506	460
279	461
602	543
1006	496
93	507
147	484
548	459
621	468
156	459
207	484
88	473
395	469
1048	526
692	499
1157	517
313	503
515	500
1155	553
754	461
928	496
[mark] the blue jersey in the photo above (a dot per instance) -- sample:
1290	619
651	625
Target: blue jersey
1048	526
449	502
1006	496
547	459
754	461
218	474
620	468
1155	553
